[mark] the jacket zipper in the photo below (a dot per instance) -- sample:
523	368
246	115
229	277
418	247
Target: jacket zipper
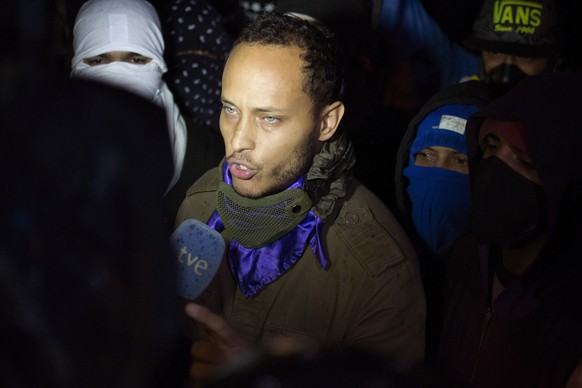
484	327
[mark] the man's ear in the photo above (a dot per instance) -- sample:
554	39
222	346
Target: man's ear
330	119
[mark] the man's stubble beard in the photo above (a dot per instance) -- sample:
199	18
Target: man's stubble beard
287	173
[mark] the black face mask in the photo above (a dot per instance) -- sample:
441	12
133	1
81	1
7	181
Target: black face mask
502	78
508	209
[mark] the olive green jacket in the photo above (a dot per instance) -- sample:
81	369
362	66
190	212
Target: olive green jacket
370	295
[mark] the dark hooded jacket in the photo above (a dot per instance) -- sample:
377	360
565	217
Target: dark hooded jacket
531	334
432	270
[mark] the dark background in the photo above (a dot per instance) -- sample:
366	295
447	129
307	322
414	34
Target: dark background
37	35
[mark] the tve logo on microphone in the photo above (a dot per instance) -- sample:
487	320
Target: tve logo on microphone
198	250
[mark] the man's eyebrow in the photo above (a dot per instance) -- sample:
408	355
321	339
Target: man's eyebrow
511	146
265	109
268	109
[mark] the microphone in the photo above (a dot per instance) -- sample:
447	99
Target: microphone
198	250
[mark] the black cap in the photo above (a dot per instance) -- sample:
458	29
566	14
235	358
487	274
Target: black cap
526	28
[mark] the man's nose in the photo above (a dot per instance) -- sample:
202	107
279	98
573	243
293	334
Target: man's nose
509	59
243	135
441	163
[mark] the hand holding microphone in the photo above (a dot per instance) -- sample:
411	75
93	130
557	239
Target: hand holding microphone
199	250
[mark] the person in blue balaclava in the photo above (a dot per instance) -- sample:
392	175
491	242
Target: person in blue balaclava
438	177
432	188
432	182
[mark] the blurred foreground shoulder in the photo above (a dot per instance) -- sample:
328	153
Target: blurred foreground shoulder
200	200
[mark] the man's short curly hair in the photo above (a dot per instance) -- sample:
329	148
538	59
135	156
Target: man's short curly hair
321	53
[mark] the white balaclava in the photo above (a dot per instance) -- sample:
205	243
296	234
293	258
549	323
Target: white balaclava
133	26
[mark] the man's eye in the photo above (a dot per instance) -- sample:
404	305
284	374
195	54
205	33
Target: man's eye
425	155
424	158
139	60
490	145
526	59
94	61
461	161
527	162
271	119
228	110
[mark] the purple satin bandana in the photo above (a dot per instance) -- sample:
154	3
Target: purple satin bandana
254	268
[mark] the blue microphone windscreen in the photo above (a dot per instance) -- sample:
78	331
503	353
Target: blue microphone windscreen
198	250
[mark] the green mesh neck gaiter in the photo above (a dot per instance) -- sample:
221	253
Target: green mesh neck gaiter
258	222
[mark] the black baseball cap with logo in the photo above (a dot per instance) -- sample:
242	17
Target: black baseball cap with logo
526	28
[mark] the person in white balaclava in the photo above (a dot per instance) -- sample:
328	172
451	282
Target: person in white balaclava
119	42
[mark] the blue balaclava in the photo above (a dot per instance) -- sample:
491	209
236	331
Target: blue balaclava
441	198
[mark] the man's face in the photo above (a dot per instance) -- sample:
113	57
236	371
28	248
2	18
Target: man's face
530	66
269	131
442	157
518	160
117	56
